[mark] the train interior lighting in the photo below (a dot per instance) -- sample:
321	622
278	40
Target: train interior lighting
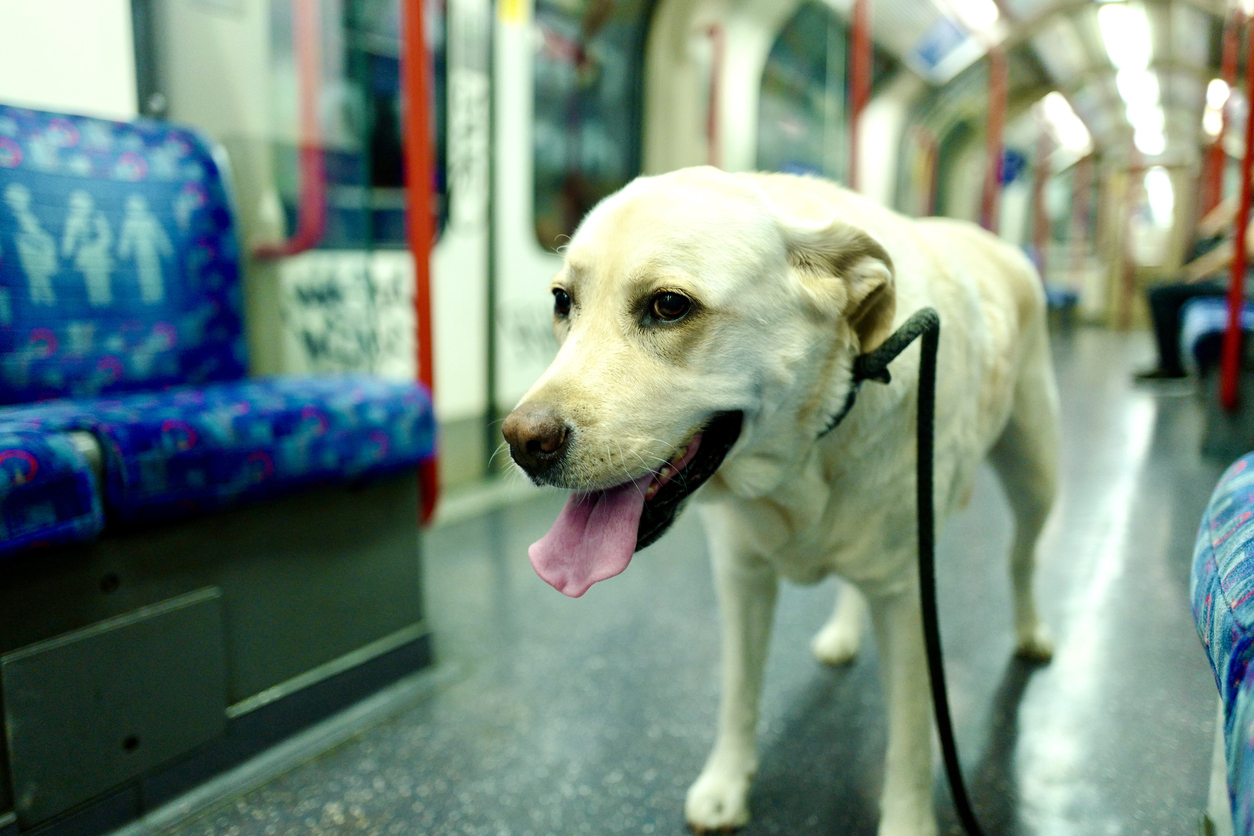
274	273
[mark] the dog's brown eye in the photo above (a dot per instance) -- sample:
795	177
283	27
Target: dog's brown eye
668	306
561	302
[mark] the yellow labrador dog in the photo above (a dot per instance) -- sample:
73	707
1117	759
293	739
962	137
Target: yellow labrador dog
708	323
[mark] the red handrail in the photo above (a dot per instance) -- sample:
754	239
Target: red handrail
1213	173
311	214
1231	360
420	218
998	85
713	140
1081	205
859	82
1040	212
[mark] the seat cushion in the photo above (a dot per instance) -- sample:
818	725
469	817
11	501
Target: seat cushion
118	258
1203	321
48	494
1222	590
189	451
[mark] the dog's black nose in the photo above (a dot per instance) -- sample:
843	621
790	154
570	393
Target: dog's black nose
537	437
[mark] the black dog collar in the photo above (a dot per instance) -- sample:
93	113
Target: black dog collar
874	365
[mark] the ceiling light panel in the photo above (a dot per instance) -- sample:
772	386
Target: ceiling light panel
1126	34
898	26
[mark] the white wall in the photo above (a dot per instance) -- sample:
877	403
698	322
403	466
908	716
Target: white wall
74	56
677	75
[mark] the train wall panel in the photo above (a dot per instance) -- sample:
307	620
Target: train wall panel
94	708
87	67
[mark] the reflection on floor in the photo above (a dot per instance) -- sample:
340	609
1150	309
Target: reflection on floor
592	716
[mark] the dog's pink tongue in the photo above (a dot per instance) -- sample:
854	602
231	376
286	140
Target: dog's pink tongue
593	539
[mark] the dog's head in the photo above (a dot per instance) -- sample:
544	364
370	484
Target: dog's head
695	322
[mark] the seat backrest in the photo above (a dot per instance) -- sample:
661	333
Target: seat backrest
119	267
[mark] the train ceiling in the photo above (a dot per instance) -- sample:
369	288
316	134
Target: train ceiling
1136	72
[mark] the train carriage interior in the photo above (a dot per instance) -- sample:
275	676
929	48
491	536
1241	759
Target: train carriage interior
277	281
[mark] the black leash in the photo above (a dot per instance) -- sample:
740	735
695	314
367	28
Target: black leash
923	323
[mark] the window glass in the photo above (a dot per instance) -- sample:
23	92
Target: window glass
804	106
588	92
361	116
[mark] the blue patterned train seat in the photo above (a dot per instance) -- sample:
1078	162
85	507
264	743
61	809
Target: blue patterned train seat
118	259
48	494
1203	322
188	451
1223	607
121	315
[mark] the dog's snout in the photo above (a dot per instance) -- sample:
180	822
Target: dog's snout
537	437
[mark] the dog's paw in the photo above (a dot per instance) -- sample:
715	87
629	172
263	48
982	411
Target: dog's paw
927	827
906	819
718	802
836	644
1034	645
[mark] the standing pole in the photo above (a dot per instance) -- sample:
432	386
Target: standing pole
1081	210
1040	212
1213	174
713	132
1230	365
1127	264
998	83
311	211
859	84
420	218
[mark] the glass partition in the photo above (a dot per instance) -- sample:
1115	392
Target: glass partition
589	68
804	106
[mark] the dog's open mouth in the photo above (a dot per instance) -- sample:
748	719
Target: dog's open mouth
597	532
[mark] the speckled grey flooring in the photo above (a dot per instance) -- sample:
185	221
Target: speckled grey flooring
592	716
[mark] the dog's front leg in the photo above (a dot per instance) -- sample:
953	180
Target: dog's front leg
746	585
906	802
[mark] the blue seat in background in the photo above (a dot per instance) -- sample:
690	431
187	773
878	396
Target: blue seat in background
1203	321
121	316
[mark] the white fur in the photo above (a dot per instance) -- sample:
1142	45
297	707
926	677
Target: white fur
783	310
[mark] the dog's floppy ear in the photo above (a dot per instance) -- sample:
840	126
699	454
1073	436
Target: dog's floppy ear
843	270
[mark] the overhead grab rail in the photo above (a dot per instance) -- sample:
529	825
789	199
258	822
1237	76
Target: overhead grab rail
311	215
1231	359
420	214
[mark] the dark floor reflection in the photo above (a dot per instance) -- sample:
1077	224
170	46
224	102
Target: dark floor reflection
991	784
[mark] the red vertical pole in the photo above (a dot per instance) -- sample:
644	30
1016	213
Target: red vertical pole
713	144
1081	209
420	219
1213	174
1236	296
859	83
311	214
1127	265
997	89
1040	212
929	150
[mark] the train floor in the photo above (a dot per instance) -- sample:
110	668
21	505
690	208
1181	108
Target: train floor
592	716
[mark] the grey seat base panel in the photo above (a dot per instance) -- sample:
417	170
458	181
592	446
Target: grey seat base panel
319	598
